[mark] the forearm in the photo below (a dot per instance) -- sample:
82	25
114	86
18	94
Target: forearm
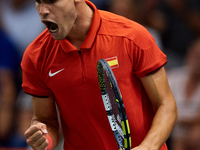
44	112
162	125
158	90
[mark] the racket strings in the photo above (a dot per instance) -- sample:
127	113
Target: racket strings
116	120
112	100
114	105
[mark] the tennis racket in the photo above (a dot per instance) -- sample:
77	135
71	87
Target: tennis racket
114	105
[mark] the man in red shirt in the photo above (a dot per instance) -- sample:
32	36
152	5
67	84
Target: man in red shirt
60	66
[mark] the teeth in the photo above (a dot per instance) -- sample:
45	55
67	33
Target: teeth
54	30
53	27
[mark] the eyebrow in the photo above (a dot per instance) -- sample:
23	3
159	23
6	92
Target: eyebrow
48	1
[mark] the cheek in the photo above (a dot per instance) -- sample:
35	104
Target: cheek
69	17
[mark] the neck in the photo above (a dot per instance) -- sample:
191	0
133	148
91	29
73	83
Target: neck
82	25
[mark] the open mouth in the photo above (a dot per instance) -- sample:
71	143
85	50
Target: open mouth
53	27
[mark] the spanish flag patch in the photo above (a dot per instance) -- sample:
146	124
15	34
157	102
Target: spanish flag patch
113	62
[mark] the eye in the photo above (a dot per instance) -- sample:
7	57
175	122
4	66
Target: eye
38	1
52	1
46	1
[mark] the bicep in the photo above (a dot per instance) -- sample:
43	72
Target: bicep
157	88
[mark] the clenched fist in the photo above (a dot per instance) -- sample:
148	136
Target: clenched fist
36	136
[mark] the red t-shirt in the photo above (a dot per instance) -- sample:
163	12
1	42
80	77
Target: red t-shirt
52	67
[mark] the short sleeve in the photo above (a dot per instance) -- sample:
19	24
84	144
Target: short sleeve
32	82
146	56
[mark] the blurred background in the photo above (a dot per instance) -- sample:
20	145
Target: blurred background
175	25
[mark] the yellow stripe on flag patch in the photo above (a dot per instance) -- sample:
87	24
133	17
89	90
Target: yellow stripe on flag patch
113	62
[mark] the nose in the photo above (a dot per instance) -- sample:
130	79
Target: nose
43	9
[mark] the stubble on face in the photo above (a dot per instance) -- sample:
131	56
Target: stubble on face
60	18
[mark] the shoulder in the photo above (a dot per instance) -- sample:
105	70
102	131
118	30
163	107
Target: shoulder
38	50
44	42
38	44
116	25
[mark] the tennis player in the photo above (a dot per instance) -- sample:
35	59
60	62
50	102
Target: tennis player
59	66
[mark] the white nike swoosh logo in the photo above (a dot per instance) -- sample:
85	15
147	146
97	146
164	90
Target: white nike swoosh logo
53	74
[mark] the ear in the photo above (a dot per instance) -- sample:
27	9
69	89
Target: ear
77	1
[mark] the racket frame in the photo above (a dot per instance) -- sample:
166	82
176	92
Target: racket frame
103	66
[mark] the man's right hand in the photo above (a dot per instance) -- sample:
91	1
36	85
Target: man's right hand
36	136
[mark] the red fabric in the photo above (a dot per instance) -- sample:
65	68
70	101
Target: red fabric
50	146
76	90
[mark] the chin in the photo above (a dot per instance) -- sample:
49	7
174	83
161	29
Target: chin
58	37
